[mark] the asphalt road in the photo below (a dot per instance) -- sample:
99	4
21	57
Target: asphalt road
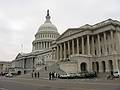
42	84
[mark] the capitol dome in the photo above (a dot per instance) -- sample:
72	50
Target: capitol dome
47	26
47	33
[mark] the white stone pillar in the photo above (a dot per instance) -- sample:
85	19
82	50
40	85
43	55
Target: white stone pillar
61	52
83	52
73	51
88	44
69	48
107	66
115	65
44	44
38	45
23	64
105	44
112	41
93	46
49	44
64	51
77	45
100	67
55	53
58	52
117	40
99	46
52	53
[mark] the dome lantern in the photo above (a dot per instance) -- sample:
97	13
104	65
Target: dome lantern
48	17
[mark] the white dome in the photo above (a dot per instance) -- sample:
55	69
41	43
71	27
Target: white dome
47	33
47	26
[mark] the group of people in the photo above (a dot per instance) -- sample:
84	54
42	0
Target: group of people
35	74
53	75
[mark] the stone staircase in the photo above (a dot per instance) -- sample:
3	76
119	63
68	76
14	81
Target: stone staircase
53	68
44	73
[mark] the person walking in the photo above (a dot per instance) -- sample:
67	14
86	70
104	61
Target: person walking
38	74
50	74
35	74
45	68
53	76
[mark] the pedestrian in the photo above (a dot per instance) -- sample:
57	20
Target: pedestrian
45	68
53	76
50	74
38	74
35	74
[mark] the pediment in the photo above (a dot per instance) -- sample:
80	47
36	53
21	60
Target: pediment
69	32
19	56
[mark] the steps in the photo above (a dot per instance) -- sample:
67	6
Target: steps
44	73
53	68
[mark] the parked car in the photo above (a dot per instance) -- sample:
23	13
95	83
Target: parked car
9	75
116	74
64	76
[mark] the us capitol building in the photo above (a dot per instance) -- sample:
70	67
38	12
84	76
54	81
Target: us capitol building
87	48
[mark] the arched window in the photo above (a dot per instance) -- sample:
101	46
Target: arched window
103	66
83	67
110	65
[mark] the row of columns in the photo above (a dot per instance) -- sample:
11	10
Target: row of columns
105	66
89	45
41	45
65	49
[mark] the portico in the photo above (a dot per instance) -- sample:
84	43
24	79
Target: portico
95	42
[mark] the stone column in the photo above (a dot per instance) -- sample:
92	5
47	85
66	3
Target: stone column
52	53
105	43
48	44
77	45
42	44
115	65
38	45
23	63
117	41
64	51
88	44
99	46
58	52
83	52
100	67
33	63
69	48
107	66
112	41
93	46
73	52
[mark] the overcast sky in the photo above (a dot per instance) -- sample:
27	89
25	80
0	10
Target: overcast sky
20	19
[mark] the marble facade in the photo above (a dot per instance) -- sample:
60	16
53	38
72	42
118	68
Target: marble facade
87	48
